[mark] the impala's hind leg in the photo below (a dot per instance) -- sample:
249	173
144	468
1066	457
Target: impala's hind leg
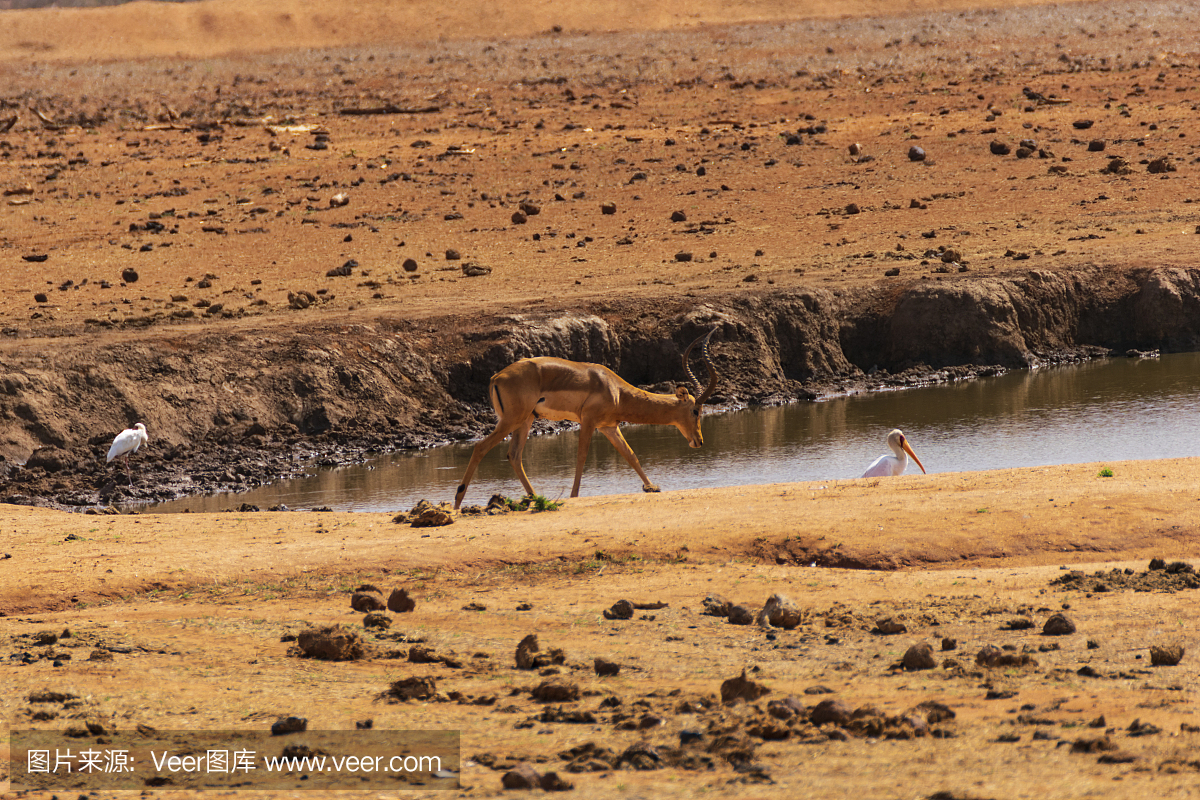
516	449
481	449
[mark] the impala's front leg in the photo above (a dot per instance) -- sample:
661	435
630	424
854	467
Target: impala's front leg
613	434
585	441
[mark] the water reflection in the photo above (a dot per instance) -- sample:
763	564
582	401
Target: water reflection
1116	409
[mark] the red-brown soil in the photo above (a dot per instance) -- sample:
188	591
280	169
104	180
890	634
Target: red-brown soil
216	154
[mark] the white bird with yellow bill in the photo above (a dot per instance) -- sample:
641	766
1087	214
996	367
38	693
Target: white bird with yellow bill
887	466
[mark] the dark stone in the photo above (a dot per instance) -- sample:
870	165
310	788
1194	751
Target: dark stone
399	601
1058	625
287	725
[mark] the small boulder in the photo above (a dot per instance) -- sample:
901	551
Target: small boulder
780	612
605	668
522	776
622	609
716	606
332	643
743	688
554	691
834	711
919	656
1058	625
367	601
1166	655
740	615
287	725
413	688
399	602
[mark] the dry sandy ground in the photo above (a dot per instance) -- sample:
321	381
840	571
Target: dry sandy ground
492	110
192	610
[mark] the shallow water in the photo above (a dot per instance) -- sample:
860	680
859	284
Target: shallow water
1109	410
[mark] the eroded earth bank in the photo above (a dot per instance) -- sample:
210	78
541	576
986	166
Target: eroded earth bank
236	408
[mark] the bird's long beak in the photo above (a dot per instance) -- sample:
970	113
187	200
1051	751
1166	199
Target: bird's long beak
912	455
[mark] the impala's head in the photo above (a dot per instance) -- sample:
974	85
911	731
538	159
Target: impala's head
687	417
688	409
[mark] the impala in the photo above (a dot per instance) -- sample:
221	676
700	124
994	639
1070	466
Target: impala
595	397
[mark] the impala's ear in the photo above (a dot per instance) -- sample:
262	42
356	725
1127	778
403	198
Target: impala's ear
681	392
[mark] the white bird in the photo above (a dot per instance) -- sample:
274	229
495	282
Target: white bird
886	466
128	441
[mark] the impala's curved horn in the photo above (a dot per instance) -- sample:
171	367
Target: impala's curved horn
703	393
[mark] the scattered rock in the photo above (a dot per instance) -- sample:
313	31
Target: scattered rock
683	256
786	709
622	609
129	275
1166	655
780	612
740	615
367	601
742	688
608	208
301	300
529	655
552	782
377	620
556	691
916	153
410	265
1160	165
345	270
1082	124
716	605
934	711
992	656
414	688
834	711
1096	146
605	668
1058	625
399	601
475	270
519	218
919	656
678	216
331	643
426	515
522	776
999	148
338	200
886	626
287	725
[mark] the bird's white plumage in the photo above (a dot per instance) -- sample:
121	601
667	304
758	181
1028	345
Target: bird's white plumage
888	466
128	441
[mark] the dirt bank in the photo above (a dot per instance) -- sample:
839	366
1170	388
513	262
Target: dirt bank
246	405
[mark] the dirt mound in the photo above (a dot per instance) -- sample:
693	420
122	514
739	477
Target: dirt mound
1158	577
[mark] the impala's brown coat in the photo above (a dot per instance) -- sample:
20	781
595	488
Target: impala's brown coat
590	394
